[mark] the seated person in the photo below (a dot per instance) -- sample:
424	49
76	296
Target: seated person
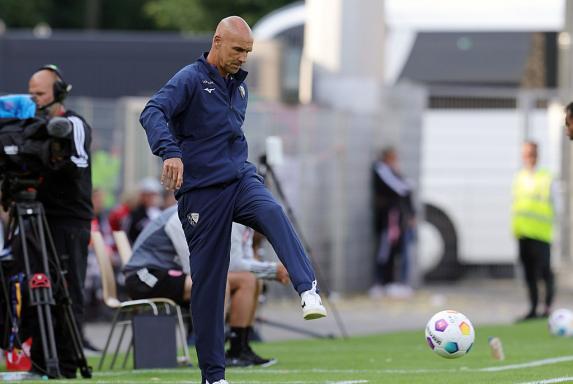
159	267
146	209
242	260
243	257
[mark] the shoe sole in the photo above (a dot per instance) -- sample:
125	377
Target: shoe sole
314	315
238	363
268	364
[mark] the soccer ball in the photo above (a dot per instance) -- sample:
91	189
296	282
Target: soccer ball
450	334
560	322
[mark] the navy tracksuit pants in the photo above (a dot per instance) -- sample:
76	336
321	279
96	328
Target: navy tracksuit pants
207	215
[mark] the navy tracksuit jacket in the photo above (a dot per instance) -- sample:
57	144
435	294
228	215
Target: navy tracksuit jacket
197	116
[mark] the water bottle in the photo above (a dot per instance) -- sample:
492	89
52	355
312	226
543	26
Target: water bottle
496	348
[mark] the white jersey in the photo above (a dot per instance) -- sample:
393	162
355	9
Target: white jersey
242	255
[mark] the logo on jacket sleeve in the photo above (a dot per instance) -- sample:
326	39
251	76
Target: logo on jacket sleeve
193	218
242	91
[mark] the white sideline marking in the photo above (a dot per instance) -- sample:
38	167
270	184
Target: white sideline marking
347	382
535	363
549	381
163	371
255	382
247	371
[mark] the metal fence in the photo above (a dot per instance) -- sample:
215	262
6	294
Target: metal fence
460	147
326	175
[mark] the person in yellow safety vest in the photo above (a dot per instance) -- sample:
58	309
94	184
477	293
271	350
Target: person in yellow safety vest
533	213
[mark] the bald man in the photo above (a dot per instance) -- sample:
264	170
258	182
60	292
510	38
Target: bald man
66	197
194	123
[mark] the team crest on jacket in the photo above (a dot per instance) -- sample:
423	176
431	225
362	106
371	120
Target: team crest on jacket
242	91
193	218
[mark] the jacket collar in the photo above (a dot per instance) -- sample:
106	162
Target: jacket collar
239	76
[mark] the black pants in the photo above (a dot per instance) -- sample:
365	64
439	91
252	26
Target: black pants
388	254
71	239
386	270
169	284
535	257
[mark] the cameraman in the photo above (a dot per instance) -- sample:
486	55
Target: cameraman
66	197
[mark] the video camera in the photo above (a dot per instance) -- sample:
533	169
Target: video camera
29	146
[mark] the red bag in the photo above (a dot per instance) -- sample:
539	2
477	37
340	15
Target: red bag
19	359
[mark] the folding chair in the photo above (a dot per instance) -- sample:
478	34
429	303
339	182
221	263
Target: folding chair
123	246
124	310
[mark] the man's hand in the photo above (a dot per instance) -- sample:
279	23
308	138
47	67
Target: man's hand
412	222
172	176
282	274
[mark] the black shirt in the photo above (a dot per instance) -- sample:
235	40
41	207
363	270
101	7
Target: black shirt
67	192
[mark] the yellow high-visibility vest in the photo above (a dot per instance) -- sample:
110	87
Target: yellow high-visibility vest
532	208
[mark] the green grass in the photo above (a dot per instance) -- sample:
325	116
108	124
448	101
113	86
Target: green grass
401	357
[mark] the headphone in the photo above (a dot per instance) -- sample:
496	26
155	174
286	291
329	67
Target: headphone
61	88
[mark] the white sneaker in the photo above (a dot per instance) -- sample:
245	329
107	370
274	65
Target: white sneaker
223	381
312	307
376	291
399	291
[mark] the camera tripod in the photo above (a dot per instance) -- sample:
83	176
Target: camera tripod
27	220
267	170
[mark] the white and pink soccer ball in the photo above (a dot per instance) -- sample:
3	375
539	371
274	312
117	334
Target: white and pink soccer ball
450	334
560	322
